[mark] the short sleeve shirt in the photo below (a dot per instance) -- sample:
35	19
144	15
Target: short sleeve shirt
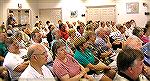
11	61
84	58
71	67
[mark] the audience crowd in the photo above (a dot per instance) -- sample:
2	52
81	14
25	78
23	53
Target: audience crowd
77	51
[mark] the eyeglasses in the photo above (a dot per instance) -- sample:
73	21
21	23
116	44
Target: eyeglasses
44	53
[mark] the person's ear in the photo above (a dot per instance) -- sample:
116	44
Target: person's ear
34	57
130	69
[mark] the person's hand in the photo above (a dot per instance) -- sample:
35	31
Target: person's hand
146	70
107	38
90	78
85	70
101	66
107	68
116	42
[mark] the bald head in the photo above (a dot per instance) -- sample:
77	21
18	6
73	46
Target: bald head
134	42
34	49
100	32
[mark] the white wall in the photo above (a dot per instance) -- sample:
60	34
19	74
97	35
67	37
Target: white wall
122	16
79	5
13	4
73	5
148	8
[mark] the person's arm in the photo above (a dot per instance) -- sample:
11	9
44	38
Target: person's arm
75	78
22	67
99	66
1	59
106	54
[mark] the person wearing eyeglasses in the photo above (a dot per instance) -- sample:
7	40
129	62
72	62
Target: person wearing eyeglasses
13	60
37	70
66	67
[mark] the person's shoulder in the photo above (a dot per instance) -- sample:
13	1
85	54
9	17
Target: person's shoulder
119	78
26	73
77	52
57	62
142	78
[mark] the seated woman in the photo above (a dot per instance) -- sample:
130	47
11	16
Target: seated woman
72	37
97	51
65	66
86	58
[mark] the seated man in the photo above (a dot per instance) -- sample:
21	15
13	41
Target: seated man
36	70
130	65
13	60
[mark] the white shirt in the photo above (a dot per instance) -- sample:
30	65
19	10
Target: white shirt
129	31
78	34
118	36
120	78
11	61
30	74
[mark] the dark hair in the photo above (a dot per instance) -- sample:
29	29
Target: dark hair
55	46
47	22
126	58
136	31
147	24
50	27
61	25
78	27
33	35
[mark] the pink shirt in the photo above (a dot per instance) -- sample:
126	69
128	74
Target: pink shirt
145	39
71	67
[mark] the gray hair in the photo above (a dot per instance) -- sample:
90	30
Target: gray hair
100	29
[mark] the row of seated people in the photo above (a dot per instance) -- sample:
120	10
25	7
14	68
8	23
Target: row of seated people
98	44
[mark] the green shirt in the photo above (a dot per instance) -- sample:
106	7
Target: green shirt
84	58
3	49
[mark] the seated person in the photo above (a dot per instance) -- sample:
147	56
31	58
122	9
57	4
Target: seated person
4	75
118	37
3	47
63	31
36	70
102	40
13	60
146	51
130	65
86	58
71	38
104	57
65	66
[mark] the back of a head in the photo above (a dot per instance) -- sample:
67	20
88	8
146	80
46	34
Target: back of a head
133	42
71	31
98	30
126	58
88	34
79	41
47	22
137	31
147	24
